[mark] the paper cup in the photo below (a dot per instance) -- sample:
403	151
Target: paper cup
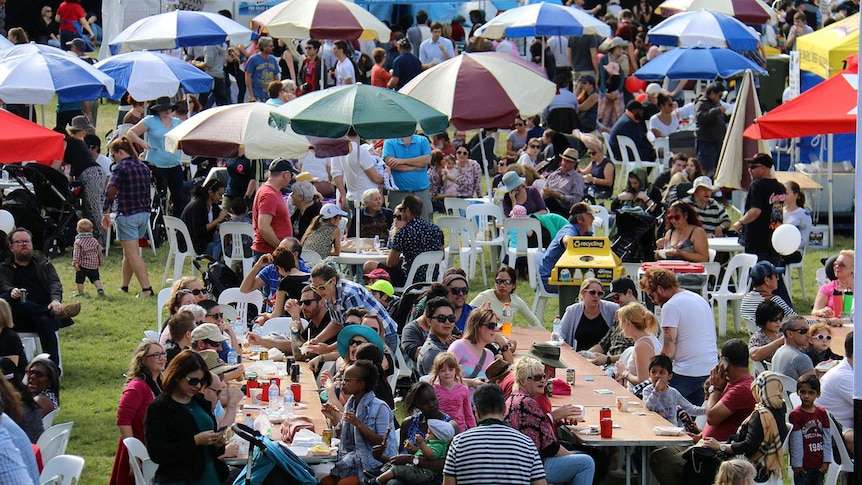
623	403
256	394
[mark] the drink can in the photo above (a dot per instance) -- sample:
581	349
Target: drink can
570	376
327	436
264	354
605	413
23	295
294	373
549	388
607	428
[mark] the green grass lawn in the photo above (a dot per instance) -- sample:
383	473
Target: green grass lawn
96	350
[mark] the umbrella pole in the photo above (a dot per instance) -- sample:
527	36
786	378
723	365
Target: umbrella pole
486	163
358	203
829	184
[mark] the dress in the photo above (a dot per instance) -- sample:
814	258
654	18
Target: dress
320	240
469	179
456	403
518	305
136	398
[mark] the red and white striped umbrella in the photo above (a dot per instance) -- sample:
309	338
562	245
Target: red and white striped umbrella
320	19
483	90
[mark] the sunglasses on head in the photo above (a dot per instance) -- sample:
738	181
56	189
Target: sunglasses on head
355	342
823	337
217	316
445	318
195	381
538	378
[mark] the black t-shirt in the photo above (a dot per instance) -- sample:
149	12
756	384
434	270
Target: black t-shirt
77	156
293	285
768	196
301	221
26	277
590	331
240	171
10	344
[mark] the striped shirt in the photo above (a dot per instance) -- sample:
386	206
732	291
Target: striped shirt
712	216
493	453
752	299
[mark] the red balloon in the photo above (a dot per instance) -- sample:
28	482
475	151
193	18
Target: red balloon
635	85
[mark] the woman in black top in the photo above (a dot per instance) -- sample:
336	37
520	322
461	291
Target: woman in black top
203	215
180	428
85	170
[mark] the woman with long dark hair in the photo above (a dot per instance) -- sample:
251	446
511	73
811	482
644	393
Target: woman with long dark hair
203	215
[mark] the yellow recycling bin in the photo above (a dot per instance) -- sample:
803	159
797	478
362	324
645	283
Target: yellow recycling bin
585	257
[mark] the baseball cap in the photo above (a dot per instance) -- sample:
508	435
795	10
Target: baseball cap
620	286
77	43
378	274
582	208
382	286
207	331
653	88
328	211
283	165
760	159
763	269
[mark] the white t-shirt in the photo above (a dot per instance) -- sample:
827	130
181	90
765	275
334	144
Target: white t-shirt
344	71
355	178
696	342
316	166
105	163
656	124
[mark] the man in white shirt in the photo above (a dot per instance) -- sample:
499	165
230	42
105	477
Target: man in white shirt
688	330
354	173
559	45
344	71
436	48
836	391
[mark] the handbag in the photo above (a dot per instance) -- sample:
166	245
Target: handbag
701	465
292	426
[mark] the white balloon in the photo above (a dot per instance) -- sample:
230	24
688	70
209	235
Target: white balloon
7	221
786	239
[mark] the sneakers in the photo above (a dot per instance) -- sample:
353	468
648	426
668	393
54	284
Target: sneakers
69	311
101	292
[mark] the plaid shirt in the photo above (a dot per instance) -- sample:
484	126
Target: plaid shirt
352	295
87	252
614	342
131	178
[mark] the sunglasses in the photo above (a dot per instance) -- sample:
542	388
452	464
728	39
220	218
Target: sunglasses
501	281
462	152
197	292
595	292
823	337
307	302
800	331
538	378
355	342
321	287
217	316
445	318
673	217
458	290
35	373
398	217
194	381
535	146
157	355
490	325
591	152
519	124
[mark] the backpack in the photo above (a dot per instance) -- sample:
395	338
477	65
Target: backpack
217	275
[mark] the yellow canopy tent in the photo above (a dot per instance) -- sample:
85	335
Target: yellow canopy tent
823	52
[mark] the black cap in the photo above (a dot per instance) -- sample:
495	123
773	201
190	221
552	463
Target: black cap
283	165
77	43
620	286
634	105
715	87
760	159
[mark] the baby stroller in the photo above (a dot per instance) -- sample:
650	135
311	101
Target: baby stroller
269	463
635	238
50	211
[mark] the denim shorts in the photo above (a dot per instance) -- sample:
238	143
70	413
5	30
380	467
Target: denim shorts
132	227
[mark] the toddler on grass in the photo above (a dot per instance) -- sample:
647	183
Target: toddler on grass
87	257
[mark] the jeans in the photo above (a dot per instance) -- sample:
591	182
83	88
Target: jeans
707	155
691	388
219	95
808	477
574	469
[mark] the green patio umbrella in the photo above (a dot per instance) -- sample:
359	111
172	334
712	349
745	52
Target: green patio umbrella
373	112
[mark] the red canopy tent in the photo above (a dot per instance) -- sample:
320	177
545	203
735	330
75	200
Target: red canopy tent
829	107
22	140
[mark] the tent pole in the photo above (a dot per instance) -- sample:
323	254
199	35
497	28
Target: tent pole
829	184
485	162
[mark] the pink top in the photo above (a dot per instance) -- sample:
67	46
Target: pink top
456	403
469	360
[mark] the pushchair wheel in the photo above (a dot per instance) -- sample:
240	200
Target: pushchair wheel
54	247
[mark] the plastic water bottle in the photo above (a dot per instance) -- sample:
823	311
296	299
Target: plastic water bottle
556	336
287	412
232	358
507	320
242	444
273	395
377	242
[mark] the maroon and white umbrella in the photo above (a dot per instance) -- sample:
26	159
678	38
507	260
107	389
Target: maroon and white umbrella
748	11
320	19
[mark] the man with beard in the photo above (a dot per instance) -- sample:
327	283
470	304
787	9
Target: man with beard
631	124
309	315
33	289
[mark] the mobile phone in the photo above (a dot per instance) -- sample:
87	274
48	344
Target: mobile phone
222	429
723	364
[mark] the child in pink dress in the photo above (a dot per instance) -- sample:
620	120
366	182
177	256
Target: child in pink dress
452	394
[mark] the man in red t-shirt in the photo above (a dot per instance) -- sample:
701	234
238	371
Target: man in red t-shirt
728	403
69	13
270	218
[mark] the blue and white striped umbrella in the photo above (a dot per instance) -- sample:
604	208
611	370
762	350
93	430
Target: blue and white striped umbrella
32	73
180	28
149	75
546	19
704	28
5	43
705	63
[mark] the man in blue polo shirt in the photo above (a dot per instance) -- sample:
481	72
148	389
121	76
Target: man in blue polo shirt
408	158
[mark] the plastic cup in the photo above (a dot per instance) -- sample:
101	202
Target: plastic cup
296	389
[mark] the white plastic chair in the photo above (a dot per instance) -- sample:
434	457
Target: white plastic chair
33	346
456	206
738	269
791	399
521	227
236	251
602	220
485	216
800	275
631	158
833	474
151	335
48	419
310	257
461	235
113	225
534	262
619	166
435	263
278	325
161	301
62	470
175	228
241	301
139	460
54	440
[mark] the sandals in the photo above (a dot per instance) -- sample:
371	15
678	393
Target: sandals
150	290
